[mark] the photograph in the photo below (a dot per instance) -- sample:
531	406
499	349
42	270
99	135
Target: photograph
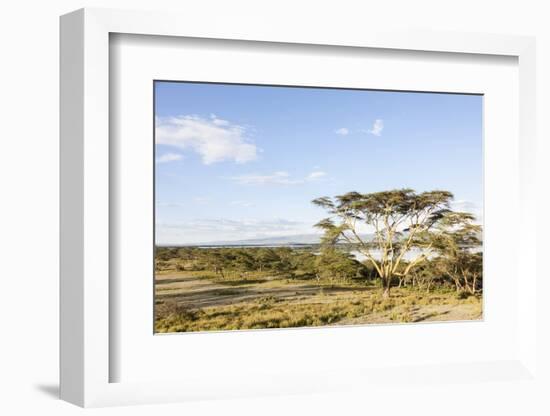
298	206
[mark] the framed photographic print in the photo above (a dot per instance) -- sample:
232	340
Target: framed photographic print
324	209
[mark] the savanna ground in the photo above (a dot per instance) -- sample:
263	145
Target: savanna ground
205	301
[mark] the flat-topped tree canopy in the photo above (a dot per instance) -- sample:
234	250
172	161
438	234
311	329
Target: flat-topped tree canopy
398	207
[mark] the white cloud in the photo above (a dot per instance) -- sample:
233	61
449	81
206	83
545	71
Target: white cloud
463	205
377	127
168	157
342	131
276	178
218	121
316	175
214	139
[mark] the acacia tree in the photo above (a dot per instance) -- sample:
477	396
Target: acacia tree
399	219
424	276
455	245
217	260
266	257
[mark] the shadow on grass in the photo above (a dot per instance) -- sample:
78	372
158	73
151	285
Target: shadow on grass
201	295
240	282
220	297
429	316
178	280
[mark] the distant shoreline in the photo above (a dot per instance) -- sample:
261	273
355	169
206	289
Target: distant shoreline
291	245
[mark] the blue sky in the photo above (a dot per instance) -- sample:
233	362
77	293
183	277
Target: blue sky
239	162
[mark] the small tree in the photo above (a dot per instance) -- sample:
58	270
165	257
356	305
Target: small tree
333	264
216	260
244	261
397	218
304	264
265	257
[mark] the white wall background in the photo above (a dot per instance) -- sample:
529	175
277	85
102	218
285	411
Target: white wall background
29	56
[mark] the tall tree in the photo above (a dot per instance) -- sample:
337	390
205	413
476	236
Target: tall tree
398	218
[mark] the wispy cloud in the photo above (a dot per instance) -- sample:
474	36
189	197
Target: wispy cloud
171	204
214	139
198	200
220	229
377	127
168	157
244	204
315	175
343	131
276	178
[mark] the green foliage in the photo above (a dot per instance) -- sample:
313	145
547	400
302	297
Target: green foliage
329	264
279	261
333	264
458	257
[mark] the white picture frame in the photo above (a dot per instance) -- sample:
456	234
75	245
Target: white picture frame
86	355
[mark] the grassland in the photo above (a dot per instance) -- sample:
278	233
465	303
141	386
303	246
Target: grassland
205	301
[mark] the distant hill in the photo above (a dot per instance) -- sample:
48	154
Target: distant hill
298	239
287	240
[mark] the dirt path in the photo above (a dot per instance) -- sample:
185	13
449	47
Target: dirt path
425	313
195	292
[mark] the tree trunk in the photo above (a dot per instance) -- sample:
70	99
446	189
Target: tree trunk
386	283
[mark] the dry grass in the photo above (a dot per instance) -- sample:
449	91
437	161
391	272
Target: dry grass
191	301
